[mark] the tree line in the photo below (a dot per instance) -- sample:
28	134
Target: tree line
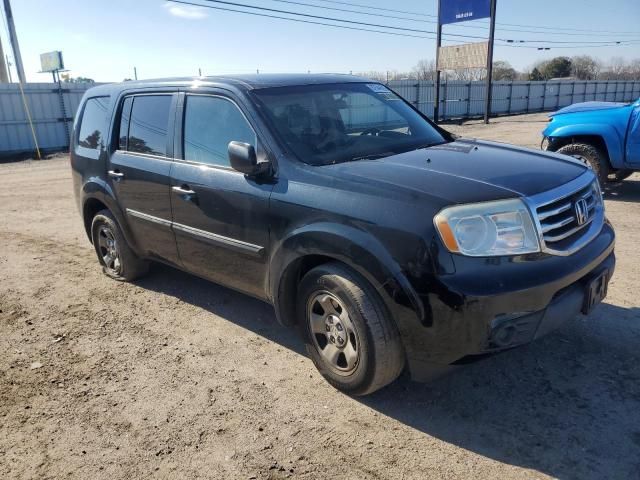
579	67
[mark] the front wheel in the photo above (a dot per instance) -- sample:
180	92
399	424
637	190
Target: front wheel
348	333
114	254
591	156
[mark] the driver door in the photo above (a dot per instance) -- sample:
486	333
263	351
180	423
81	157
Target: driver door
220	216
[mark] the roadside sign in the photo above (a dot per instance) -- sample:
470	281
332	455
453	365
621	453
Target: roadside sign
453	11
458	57
471	55
51	61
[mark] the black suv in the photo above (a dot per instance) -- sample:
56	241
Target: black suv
386	240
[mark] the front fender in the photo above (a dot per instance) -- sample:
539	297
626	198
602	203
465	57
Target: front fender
353	247
610	135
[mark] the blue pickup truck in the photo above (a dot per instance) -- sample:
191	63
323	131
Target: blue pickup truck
606	135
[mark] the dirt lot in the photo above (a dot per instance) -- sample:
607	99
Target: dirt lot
176	377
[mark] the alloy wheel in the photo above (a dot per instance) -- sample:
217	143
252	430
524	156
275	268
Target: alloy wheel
108	247
334	333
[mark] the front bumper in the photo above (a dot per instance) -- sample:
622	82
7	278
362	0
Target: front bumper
491	304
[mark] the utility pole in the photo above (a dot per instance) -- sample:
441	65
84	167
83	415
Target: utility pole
6	56
436	105
487	94
135	73
13	38
4	67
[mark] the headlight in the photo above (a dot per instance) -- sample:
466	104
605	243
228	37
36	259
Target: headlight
597	191
488	229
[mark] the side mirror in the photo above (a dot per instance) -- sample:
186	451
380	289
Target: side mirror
242	157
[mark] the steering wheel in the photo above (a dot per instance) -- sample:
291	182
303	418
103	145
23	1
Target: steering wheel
371	131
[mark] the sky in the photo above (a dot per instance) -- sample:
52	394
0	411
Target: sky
105	39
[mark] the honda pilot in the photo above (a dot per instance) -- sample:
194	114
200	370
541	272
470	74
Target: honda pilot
389	243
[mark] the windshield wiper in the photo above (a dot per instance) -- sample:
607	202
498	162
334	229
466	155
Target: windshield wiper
428	145
371	156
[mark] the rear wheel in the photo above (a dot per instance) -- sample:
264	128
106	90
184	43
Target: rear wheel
591	156
620	175
114	254
348	333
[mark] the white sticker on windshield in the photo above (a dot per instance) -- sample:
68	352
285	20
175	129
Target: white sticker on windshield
389	96
376	87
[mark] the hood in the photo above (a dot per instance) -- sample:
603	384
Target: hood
588	107
463	171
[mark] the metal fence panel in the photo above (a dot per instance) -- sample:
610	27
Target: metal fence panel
459	100
46	105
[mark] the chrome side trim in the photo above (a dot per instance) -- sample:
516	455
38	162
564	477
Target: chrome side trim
149	218
219	240
144	155
213	238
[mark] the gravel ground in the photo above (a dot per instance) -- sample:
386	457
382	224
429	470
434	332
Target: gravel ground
176	377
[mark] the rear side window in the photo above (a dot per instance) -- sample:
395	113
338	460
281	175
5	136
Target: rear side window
124	123
210	123
145	129
93	123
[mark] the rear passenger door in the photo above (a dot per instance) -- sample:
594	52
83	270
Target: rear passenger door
220	216
139	170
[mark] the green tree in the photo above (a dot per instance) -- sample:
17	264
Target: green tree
503	71
535	75
557	67
69	79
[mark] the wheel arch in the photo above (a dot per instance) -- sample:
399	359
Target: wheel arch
314	245
603	137
97	195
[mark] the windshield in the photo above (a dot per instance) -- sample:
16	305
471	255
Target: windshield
333	123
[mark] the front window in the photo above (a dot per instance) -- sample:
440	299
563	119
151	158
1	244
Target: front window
210	124
333	123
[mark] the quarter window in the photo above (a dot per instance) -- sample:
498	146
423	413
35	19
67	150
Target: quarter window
93	123
124	123
147	126
210	123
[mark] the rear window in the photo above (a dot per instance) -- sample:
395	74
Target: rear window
93	123
144	130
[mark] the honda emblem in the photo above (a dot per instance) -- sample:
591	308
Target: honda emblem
582	211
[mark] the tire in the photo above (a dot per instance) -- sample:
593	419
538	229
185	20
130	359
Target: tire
117	259
333	301
591	155
620	175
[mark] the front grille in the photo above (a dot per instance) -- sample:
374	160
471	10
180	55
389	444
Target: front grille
569	215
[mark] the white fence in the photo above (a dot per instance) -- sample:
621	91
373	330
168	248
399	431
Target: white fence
461	99
52	109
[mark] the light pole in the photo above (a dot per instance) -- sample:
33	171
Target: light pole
4	67
487	94
13	38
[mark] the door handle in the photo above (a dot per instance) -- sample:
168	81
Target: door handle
183	190
116	174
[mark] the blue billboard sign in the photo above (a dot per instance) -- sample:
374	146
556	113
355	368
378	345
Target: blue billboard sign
453	11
